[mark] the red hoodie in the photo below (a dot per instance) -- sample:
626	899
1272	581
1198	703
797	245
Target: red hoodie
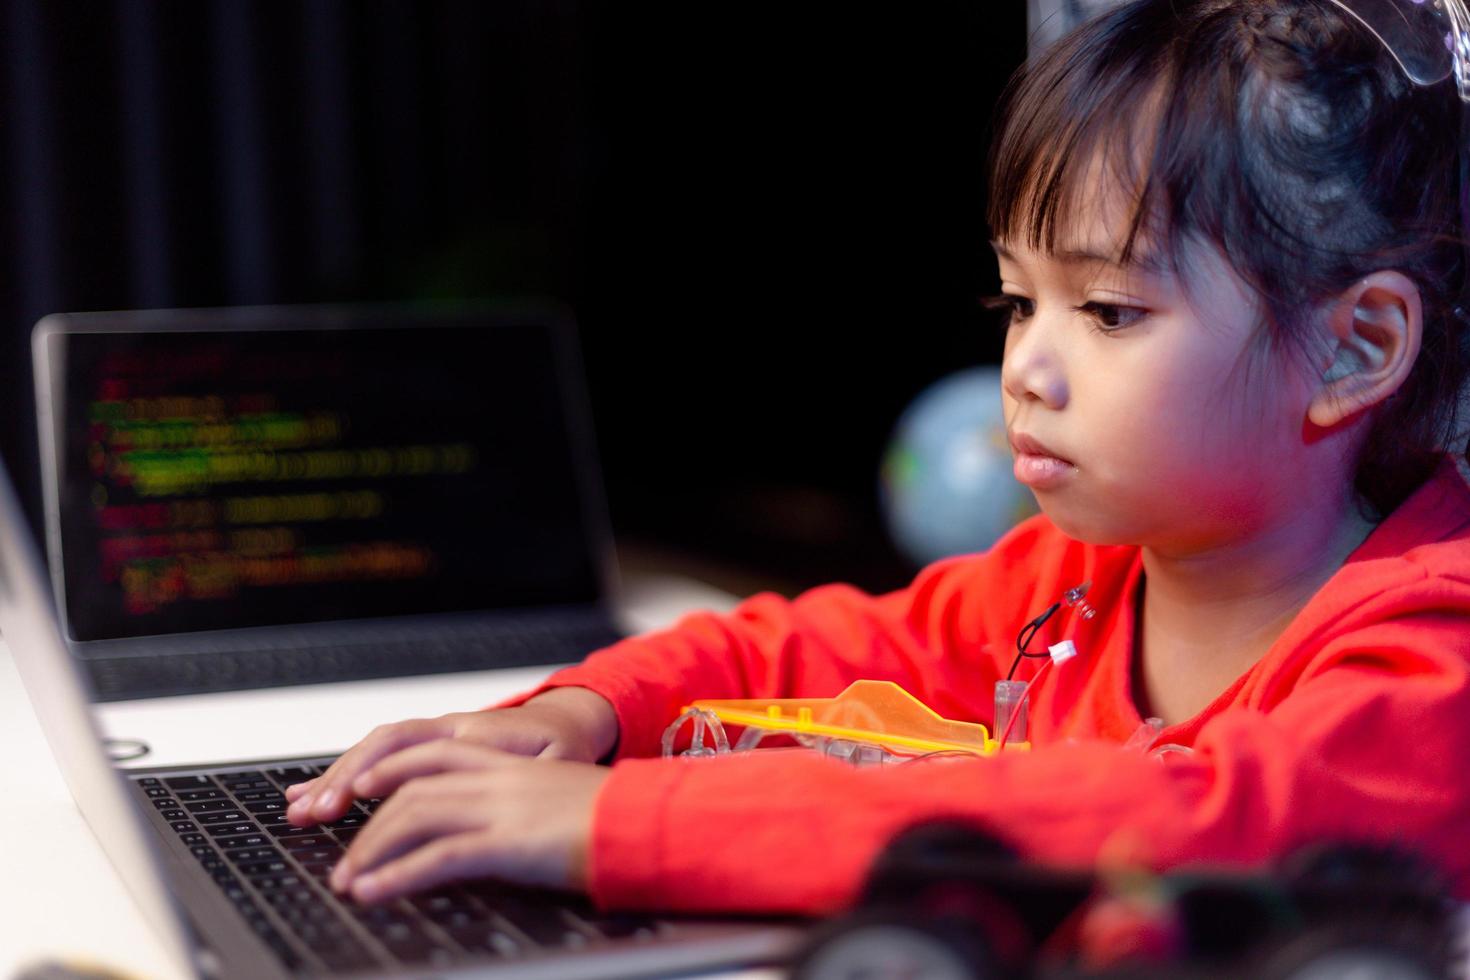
1354	725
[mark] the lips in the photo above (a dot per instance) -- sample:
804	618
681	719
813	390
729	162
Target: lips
1038	466
1025	445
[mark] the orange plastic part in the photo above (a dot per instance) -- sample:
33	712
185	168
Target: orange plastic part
873	712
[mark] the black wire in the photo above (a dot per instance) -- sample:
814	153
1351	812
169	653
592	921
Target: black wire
1027	634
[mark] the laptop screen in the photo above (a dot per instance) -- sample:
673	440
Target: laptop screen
224	478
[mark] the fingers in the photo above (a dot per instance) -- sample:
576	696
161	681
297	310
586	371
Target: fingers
427	758
328	797
452	858
296	789
431	807
463	810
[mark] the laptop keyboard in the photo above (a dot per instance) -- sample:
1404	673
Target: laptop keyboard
275	875
156	675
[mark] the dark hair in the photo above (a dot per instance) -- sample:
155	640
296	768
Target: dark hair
1285	134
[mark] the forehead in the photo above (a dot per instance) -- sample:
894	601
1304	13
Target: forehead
1098	221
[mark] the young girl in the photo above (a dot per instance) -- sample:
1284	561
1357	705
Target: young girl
1229	240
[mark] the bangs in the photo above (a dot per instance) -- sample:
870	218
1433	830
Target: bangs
1075	136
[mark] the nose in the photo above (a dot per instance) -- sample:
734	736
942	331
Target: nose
1032	367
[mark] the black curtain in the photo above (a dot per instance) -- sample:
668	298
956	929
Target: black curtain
768	217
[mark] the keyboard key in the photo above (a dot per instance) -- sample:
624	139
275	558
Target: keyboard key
193	795
256	869
348	822
286	830
293	774
445	901
209	806
277	882
222	816
316	912
244	840
148	781
246	855
418	949
243	775
203	851
347	836
317	926
246	785
307	854
313	913
174	813
484	939
542	924
267	806
157	792
165	803
287	898
189	782
379	916
230	829
459	918
183	826
193	839
239	896
260	794
398	928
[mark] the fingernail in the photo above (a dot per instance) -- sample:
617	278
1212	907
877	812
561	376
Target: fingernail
303	804
327	800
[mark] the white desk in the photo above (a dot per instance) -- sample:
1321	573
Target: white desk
59	895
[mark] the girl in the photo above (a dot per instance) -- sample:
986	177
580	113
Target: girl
1229	241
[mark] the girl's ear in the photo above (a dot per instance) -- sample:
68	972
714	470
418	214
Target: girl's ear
1372	338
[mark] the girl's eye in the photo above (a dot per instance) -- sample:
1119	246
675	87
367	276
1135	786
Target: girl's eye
1012	308
1110	316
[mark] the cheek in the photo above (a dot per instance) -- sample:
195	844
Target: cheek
1187	426
1219	446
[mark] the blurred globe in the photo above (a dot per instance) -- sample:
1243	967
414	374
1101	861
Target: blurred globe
946	482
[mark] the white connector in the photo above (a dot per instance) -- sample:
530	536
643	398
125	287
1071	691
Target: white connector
1062	652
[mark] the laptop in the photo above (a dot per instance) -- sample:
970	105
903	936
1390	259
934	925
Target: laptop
245	498
233	891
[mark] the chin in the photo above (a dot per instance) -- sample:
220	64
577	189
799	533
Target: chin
1087	524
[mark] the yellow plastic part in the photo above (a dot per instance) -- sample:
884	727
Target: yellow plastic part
873	712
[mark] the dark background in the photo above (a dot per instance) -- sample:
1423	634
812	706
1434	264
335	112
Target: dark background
768	217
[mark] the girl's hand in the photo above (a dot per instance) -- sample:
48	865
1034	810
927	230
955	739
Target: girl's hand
459	810
563	723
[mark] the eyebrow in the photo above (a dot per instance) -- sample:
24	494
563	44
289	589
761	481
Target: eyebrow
1068	256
